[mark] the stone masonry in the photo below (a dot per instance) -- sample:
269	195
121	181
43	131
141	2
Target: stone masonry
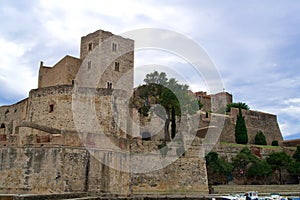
73	134
77	133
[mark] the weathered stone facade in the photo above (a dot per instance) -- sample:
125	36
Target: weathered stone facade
74	134
255	121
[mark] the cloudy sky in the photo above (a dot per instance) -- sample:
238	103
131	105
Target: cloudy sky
255	45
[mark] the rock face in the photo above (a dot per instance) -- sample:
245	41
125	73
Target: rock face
75	133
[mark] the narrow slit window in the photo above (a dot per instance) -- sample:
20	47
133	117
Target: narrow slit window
114	47
109	85
90	46
89	65
117	66
51	108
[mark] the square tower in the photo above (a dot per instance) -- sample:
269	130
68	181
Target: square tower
113	55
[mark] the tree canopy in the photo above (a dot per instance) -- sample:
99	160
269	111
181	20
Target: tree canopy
172	95
240	105
279	161
217	166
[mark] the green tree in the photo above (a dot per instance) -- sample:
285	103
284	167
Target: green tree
295	168
241	135
242	161
217	166
296	155
237	105
275	143
201	105
169	93
156	78
279	161
260	170
260	138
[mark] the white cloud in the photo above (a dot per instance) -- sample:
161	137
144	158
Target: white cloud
254	45
16	78
293	101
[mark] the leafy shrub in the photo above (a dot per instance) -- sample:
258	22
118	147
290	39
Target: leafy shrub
275	143
260	138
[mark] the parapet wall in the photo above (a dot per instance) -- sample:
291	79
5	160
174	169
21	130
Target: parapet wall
61	107
184	173
259	121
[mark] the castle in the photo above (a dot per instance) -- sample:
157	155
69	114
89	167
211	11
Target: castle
75	132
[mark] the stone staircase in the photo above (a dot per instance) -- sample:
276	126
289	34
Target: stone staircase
261	189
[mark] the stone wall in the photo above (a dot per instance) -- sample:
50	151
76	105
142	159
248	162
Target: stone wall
100	60
42	170
58	106
259	121
185	174
62	73
59	169
214	102
10	118
228	151
255	121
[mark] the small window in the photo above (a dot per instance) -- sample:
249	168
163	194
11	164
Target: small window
89	65
109	85
51	108
90	46
2	126
117	66
114	47
73	82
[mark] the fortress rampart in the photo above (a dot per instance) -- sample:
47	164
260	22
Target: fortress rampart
74	135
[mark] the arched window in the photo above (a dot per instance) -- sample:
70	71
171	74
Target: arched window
2	126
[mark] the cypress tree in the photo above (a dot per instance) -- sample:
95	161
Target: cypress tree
241	135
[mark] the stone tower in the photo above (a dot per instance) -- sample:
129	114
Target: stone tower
112	56
41	132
